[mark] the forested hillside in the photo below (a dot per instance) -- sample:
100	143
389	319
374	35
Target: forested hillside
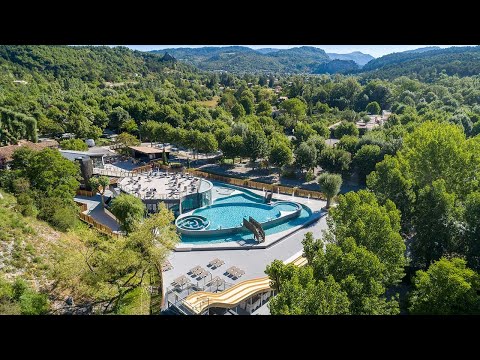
426	65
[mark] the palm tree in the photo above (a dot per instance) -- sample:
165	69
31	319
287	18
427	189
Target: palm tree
101	181
330	185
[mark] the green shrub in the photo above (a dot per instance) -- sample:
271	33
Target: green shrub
309	176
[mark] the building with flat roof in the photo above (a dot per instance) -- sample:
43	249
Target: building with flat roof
147	153
179	192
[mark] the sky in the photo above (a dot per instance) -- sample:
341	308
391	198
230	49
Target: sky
374	50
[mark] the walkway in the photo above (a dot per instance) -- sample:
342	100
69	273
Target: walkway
95	210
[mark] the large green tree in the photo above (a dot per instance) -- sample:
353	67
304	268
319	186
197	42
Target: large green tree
448	287
366	158
129	210
305	156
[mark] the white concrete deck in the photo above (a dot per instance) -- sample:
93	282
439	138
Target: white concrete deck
252	260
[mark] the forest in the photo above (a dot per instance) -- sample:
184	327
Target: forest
408	242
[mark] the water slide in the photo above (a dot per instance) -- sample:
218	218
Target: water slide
201	300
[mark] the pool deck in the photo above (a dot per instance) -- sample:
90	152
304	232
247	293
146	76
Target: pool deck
253	260
314	205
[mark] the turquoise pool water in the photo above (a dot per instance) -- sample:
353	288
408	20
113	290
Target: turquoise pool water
229	210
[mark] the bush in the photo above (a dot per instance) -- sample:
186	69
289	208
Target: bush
176	165
289	174
25	205
57	212
309	176
74	144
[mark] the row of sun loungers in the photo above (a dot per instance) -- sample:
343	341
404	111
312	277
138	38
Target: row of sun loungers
200	273
167	266
234	272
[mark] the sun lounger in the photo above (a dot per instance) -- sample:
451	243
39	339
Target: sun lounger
194	270
202	274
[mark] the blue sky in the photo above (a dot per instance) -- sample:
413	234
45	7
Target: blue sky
374	50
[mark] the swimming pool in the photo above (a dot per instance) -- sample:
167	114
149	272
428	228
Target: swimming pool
222	221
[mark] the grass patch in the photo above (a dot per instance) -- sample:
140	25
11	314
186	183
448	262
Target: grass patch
136	302
210	103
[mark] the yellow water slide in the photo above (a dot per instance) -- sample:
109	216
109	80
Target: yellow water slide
199	301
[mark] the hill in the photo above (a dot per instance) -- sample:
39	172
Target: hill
241	59
426	65
337	66
89	63
356	56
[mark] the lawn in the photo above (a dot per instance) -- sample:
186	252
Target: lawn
210	103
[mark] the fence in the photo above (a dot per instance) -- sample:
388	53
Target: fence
259	185
85	193
99	227
141	169
83	207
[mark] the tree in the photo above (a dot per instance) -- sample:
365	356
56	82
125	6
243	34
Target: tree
238	111
104	275
207	143
366	158
118	116
345	128
373	108
264	108
97	182
390	182
318	142
247	104
448	287
49	172
321	128
280	154
335	160
348	143
304	295
148	130
339	278
330	185
126	140
377	227
434	220
232	146
472	232
294	108
129	210
129	126
303	132
306	156
61	213
256	144
74	144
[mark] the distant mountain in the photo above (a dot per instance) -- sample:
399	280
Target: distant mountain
426	65
266	50
357	56
241	59
421	50
337	66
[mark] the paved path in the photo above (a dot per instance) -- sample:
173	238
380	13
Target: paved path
95	210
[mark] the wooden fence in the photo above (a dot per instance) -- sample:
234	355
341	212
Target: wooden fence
98	226
287	190
83	207
85	193
91	221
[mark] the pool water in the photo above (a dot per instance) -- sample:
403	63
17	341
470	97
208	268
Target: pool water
228	211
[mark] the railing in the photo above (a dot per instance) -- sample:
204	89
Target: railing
141	169
85	193
83	207
259	185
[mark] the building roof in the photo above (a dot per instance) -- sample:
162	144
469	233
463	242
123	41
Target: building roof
6	152
147	150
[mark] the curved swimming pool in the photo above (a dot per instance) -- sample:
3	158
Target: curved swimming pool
223	220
